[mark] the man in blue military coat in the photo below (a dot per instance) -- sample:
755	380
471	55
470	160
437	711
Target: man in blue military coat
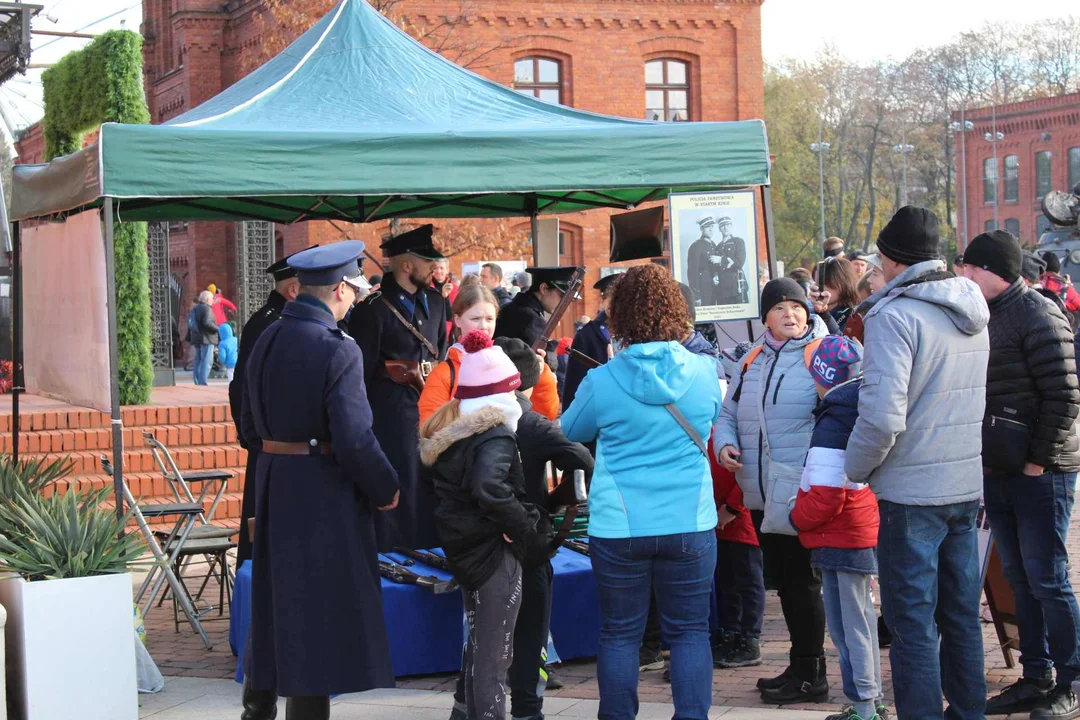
317	617
401	331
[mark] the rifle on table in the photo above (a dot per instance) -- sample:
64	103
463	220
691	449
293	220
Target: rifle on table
577	546
396	572
560	309
427	558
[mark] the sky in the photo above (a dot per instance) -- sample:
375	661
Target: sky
861	30
868	30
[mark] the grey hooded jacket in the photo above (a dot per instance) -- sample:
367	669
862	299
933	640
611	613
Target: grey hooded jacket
783	382
918	439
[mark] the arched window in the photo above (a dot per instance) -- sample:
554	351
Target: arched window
540	77
1043	174
1012	226
989	181
1074	167
667	90
1012	178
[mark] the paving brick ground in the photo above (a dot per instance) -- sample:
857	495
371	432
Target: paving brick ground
182	654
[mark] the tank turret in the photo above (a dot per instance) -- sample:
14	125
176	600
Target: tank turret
1062	209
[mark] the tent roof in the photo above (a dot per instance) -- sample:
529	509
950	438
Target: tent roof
357	121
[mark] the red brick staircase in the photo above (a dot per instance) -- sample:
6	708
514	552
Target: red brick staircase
199	437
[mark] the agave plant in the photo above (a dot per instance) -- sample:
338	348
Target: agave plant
66	535
30	476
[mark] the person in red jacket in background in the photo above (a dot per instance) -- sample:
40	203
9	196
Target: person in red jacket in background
837	521
1055	283
740	582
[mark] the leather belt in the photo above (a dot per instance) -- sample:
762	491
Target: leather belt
312	447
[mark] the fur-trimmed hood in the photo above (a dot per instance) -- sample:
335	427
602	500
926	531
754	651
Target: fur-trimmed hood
464	427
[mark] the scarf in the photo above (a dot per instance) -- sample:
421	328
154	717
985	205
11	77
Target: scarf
506	402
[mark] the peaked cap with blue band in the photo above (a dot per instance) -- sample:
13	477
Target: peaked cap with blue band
329	264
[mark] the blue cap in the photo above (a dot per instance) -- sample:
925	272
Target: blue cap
329	264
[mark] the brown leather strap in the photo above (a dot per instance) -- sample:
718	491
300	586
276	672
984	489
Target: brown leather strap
275	447
427	343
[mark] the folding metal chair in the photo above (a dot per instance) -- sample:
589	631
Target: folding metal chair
210	541
165	553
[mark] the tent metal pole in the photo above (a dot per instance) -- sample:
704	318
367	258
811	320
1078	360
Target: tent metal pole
114	364
17	379
770	233
534	227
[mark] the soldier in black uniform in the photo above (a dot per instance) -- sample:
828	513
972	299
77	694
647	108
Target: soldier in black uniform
388	326
731	284
317	624
592	340
526	315
286	288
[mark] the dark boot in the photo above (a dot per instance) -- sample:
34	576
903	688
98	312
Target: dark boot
776	682
1024	695
309	707
258	704
745	653
807	685
1061	704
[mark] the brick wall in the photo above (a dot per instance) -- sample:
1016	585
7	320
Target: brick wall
1030	127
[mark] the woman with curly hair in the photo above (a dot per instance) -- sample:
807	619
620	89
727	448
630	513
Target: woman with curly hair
651	509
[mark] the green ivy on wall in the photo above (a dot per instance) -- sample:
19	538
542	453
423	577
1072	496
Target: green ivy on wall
103	83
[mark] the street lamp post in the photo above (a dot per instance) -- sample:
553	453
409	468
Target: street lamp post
903	148
963	127
819	149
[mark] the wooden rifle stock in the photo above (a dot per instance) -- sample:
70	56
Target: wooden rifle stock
560	310
584	359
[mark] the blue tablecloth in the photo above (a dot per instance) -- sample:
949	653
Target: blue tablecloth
425	629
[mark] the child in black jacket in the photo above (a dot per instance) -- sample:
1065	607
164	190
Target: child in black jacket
486	525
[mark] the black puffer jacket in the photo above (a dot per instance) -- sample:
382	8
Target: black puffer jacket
1032	370
475	470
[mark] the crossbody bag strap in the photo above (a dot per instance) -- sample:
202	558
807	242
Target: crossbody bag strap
690	430
419	336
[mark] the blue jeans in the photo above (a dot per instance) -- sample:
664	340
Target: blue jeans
204	358
929	563
849	608
680	568
1030	520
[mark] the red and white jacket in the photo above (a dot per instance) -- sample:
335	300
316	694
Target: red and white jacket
726	491
831	511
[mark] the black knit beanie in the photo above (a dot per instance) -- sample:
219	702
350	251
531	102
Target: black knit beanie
780	290
1053	262
1032	267
998	252
910	237
524	358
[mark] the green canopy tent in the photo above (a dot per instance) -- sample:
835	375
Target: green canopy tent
356	121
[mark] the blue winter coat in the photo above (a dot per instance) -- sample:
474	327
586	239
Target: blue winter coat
650	478
228	348
316	613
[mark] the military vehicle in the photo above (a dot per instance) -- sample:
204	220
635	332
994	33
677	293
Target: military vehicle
1062	209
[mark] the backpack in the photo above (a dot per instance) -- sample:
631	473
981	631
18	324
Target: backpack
754	352
192	324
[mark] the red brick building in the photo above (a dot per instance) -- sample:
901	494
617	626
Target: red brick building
663	59
1039	152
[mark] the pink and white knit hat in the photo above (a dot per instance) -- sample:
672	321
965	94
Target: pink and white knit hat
485	369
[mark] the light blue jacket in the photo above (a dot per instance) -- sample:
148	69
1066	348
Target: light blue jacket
228	350
650	477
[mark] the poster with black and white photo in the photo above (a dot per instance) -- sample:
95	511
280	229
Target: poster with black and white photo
714	252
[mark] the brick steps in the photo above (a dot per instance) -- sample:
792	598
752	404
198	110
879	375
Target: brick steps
199	437
76	439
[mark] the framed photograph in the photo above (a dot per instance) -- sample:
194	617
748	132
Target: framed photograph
714	252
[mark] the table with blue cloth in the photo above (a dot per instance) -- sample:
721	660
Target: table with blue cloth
425	629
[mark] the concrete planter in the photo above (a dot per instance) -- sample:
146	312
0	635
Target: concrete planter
69	648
